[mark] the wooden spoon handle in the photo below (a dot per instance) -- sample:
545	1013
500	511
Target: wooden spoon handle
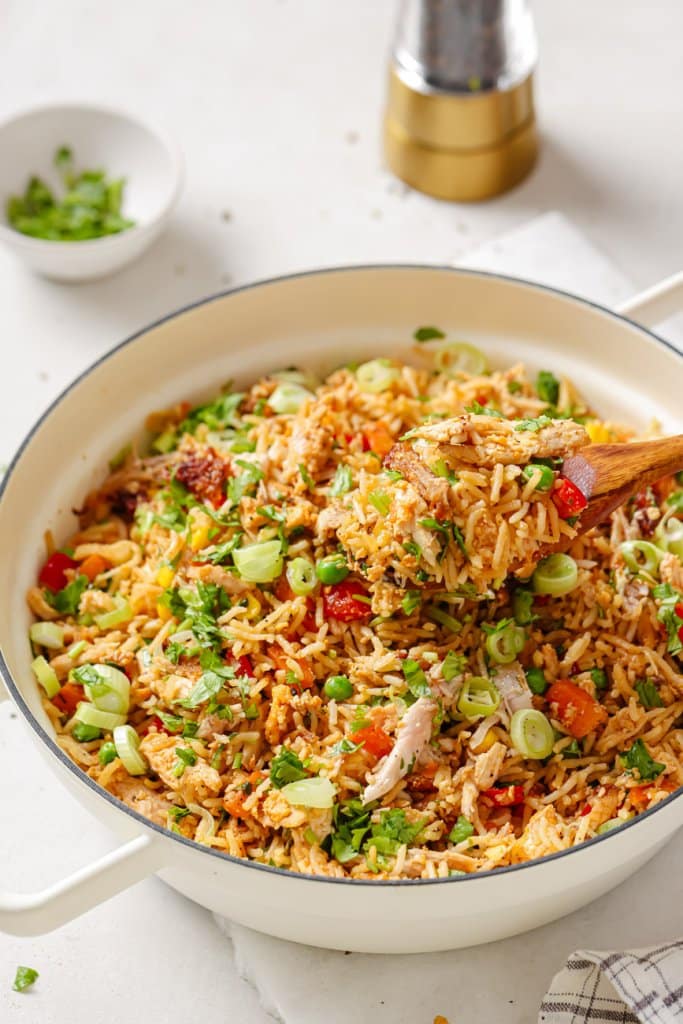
601	470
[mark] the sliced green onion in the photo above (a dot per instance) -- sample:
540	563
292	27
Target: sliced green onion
641	556
106	686
557	574
127	743
669	536
607	826
443	618
376	376
46	676
118	615
522	606
505	643
459	357
288	398
76	649
165	442
47	634
332	569
259	563
88	714
301	576
316	792
532	734
107	753
381	501
479	696
546	477
305	378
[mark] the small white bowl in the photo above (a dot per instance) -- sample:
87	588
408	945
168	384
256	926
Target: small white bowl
99	138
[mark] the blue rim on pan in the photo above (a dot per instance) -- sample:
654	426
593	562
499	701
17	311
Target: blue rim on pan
243	861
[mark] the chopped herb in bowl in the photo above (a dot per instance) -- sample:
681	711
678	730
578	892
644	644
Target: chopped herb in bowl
90	206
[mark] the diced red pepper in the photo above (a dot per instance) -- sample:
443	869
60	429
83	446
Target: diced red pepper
306	678
678	608
578	712
505	796
53	573
586	810
340	601
68	698
159	726
244	666
374	740
567	498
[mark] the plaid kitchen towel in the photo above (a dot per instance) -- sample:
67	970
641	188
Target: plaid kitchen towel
640	986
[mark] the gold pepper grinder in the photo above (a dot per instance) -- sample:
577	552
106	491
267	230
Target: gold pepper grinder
460	121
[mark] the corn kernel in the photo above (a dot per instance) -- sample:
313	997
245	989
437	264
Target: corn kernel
163	612
487	742
253	607
598	432
199	537
165	576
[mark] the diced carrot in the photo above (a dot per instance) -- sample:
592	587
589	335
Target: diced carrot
282	590
234	804
379	438
306	678
578	712
641	796
68	698
374	740
93	565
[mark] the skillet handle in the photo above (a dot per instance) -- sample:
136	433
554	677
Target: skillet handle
657	303
41	912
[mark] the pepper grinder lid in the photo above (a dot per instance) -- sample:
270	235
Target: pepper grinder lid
460	120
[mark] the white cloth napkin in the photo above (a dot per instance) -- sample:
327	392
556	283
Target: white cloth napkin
301	985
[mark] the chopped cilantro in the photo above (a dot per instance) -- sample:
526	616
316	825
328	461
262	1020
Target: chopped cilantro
351	824
458	538
222	552
638	759
344	746
648	695
411	601
514	387
245	482
412	548
394	474
423	334
548	387
392	831
572	750
484	410
669	600
415	678
186	757
68	599
532	425
286	767
675	499
216	415
462	830
174	723
306	477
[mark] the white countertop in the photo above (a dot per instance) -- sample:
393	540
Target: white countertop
277	106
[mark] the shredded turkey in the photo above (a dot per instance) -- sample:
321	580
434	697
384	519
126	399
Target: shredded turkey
414	732
513	687
488	440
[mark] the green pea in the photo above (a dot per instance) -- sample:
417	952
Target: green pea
536	679
107	753
547	476
332	568
338	687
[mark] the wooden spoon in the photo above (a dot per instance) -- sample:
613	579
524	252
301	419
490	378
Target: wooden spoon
609	474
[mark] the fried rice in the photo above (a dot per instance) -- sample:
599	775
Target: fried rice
306	625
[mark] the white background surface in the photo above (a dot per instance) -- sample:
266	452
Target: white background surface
277	106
